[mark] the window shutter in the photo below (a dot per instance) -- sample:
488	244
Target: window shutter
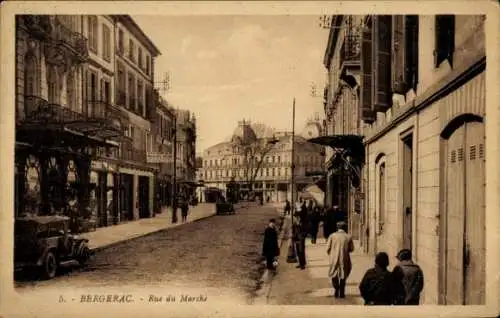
411	27
444	38
382	98
367	114
399	59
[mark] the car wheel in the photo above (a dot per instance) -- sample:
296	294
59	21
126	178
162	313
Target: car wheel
49	267
83	255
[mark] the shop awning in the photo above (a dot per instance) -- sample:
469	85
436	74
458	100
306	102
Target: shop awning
313	192
339	141
321	183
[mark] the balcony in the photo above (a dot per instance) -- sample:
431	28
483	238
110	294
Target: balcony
130	153
103	120
38	25
66	43
38	110
350	51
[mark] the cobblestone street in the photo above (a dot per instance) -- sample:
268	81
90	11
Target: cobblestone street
217	252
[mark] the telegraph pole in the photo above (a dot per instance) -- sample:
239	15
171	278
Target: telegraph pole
292	186
174	184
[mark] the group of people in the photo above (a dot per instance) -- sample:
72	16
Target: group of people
379	286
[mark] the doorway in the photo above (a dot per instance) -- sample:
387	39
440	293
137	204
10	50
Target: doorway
102	201
464	233
144	197
407	191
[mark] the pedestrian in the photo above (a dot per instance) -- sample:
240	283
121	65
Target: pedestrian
338	247
184	210
410	277
377	285
299	240
314	221
298	206
270	247
328	223
287	207
303	214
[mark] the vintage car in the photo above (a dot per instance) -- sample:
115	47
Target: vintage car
44	242
224	207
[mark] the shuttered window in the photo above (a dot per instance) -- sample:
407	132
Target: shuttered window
404	67
444	39
382	97
367	114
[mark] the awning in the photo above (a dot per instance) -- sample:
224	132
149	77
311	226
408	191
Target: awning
313	192
321	183
350	145
339	141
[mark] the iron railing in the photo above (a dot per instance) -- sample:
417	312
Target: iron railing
75	41
351	46
98	110
130	153
38	109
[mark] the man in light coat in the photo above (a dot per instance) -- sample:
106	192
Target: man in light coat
339	246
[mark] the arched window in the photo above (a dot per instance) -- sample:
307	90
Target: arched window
31	76
53	85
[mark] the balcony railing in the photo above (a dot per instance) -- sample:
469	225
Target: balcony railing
131	153
100	118
74	41
37	109
351	46
105	113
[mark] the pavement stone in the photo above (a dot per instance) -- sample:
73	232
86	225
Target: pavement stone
108	236
292	286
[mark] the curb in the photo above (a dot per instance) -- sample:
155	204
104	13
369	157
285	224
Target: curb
103	247
267	278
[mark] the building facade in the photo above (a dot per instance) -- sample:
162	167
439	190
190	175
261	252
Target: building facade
186	152
71	74
162	152
343	118
261	165
421	94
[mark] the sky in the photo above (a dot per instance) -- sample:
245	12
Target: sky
228	68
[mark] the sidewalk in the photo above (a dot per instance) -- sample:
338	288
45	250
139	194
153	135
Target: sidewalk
292	286
107	236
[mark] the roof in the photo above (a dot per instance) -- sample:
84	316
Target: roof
135	28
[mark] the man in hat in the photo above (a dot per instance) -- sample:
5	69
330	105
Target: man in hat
339	246
299	242
411	277
270	247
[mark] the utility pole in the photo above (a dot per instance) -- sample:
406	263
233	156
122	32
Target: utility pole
292	186
174	184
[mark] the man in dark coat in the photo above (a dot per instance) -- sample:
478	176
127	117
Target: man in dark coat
270	247
315	218
299	241
410	277
378	285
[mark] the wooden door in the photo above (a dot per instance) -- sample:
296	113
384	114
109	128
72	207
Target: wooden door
455	203
407	192
475	240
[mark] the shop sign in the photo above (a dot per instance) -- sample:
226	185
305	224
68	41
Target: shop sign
157	157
